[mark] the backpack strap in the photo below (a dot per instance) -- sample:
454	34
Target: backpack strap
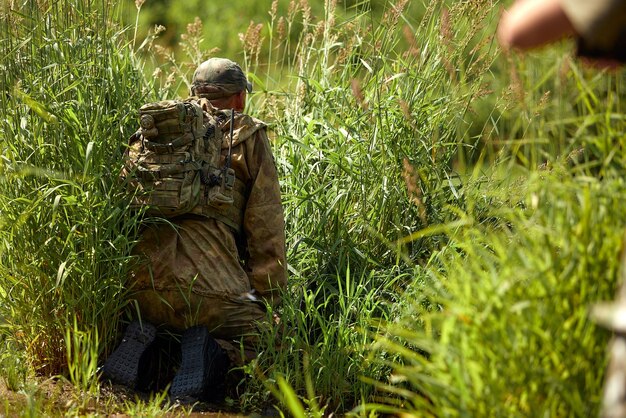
231	215
170	147
167	170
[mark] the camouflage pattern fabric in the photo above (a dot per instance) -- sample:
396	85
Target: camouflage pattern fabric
196	270
601	25
176	146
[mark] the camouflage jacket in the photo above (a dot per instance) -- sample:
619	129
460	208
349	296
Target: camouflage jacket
209	258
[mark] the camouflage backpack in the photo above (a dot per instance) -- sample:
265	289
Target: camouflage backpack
172	164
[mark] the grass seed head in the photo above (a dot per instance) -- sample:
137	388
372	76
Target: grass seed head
357	91
409	37
252	40
412	181
306	12
391	16
280	29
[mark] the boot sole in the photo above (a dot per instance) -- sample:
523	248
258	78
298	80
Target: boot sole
124	365
199	352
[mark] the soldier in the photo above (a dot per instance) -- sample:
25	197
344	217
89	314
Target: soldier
599	27
208	277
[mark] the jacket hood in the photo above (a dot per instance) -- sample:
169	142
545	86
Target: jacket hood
245	126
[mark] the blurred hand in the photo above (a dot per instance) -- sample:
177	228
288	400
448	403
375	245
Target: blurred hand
532	23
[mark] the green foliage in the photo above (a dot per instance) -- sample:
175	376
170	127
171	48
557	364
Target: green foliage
13	365
547	104
511	334
366	111
82	357
362	118
323	332
224	24
70	87
502	323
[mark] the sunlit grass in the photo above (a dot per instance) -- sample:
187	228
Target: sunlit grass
69	95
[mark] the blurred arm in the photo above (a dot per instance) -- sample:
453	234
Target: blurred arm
532	23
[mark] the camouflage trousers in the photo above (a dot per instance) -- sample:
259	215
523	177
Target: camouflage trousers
191	275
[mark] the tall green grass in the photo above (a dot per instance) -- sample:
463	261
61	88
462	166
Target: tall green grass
371	106
366	124
547	104
477	245
70	86
510	335
363	109
501	326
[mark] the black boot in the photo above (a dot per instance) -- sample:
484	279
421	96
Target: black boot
202	370
128	363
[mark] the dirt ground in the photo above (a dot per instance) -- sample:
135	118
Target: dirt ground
57	397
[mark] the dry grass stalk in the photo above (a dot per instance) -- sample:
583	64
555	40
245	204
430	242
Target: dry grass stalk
292	10
306	13
412	181
392	15
331	8
191	42
480	64
543	101
412	48
357	92
516	86
447	39
349	44
281	29
252	40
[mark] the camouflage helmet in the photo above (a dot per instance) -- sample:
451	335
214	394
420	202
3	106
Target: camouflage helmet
217	78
